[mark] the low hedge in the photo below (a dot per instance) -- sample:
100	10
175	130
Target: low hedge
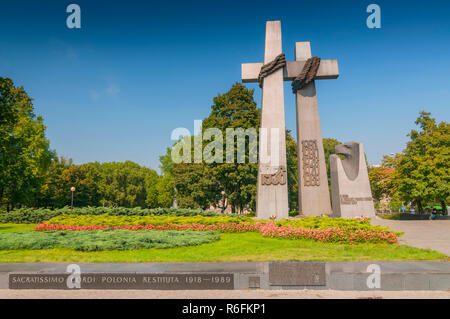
110	220
393	216
99	240
293	213
39	215
323	222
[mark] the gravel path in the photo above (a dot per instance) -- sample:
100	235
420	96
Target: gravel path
433	234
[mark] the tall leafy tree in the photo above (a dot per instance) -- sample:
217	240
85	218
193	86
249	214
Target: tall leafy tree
235	181
202	184
50	188
384	181
85	178
328	146
124	184
195	185
292	162
25	153
424	168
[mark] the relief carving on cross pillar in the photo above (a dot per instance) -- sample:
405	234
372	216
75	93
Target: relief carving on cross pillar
277	178
310	161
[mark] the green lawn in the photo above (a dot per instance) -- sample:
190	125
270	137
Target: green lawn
8	228
231	247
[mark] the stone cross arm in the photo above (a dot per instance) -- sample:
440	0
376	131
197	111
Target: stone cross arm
328	69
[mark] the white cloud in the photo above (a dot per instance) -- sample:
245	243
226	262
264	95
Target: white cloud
112	90
94	95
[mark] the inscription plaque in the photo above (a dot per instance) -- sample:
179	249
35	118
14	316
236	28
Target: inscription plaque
310	161
297	273
254	282
155	281
278	178
346	200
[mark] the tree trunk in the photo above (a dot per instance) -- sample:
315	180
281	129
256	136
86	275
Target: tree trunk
444	207
419	206
224	204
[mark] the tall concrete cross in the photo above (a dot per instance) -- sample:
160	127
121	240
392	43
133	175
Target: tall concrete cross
314	198
313	193
272	194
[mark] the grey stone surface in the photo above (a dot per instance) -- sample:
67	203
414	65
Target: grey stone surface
142	281
417	281
439	282
212	267
350	187
395	275
254	282
314	200
297	273
431	234
272	199
340	281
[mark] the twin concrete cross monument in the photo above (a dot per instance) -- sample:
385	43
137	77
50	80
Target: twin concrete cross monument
350	185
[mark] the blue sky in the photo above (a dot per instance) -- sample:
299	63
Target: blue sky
116	88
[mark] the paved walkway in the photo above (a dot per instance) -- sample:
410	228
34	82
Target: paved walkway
221	294
433	234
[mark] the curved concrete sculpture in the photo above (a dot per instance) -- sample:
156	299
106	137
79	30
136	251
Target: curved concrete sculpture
350	187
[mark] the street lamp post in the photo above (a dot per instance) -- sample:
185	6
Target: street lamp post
72	189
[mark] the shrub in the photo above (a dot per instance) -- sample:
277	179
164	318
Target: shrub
326	222
293	213
99	240
39	215
393	216
27	216
109	220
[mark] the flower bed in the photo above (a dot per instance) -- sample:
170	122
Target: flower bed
346	234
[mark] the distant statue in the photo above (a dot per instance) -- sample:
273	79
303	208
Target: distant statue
350	187
175	202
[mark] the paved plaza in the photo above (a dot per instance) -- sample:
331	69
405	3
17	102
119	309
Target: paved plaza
433	234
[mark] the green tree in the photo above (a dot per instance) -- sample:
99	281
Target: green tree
235	182
24	150
424	167
85	178
291	160
124	184
195	184
47	197
328	146
165	190
151	181
201	184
